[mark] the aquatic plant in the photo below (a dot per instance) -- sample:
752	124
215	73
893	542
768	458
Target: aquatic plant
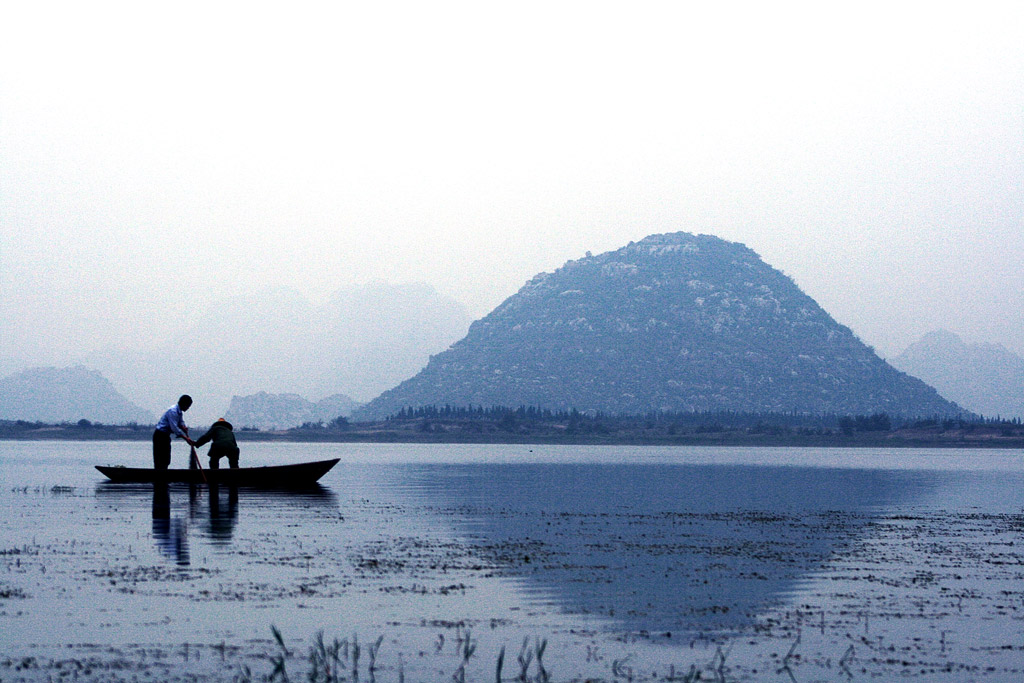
355	656
372	652
525	657
848	656
539	647
465	647
279	660
789	655
718	662
620	670
324	660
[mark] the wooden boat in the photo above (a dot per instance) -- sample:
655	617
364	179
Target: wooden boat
277	477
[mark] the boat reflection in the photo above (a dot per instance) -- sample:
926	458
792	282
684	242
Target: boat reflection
212	511
662	548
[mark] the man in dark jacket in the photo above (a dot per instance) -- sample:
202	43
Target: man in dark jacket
224	444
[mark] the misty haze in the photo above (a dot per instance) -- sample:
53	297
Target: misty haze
359	343
567	341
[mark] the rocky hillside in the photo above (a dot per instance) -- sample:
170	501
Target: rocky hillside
284	411
675	322
66	395
985	378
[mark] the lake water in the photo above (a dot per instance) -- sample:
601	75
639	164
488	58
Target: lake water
614	563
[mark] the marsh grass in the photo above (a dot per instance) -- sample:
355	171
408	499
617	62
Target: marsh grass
347	661
338	661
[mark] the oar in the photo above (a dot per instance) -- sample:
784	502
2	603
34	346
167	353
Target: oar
199	464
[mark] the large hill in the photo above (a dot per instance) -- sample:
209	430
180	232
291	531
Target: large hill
675	322
66	395
984	378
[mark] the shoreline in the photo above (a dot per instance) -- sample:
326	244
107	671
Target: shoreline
978	438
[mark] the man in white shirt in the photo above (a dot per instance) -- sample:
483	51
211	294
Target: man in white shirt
171	423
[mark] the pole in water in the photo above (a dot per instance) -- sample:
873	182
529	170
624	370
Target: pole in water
199	465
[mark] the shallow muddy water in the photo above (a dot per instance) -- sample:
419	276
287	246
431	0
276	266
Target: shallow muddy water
422	562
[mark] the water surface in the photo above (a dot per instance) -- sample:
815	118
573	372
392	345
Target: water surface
629	561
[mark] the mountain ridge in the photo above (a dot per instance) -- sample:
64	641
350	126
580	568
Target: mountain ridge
985	378
69	394
361	341
263	410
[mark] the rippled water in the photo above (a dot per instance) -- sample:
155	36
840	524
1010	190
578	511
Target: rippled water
629	561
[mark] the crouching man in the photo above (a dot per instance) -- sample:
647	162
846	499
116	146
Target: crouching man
222	436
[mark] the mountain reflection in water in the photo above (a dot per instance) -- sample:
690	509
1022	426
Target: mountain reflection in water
213	510
661	548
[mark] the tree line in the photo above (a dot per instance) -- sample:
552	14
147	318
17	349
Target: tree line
706	421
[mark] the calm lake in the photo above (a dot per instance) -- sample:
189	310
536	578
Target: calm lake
426	562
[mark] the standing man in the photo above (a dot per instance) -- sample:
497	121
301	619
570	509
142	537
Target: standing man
172	422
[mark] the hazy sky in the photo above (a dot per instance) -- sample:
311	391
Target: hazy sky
155	157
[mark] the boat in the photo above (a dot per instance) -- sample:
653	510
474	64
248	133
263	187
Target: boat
275	476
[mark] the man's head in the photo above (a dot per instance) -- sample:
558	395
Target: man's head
185	402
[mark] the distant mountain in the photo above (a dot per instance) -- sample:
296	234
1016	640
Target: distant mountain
362	341
674	322
284	411
337	405
66	395
985	378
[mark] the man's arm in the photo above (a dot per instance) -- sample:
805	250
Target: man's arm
204	438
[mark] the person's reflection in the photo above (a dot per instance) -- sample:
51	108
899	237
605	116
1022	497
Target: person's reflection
171	535
215	519
222	518
193	502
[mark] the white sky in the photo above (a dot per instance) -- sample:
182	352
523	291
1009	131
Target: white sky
155	157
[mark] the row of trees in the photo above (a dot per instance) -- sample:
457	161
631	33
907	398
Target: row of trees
700	421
